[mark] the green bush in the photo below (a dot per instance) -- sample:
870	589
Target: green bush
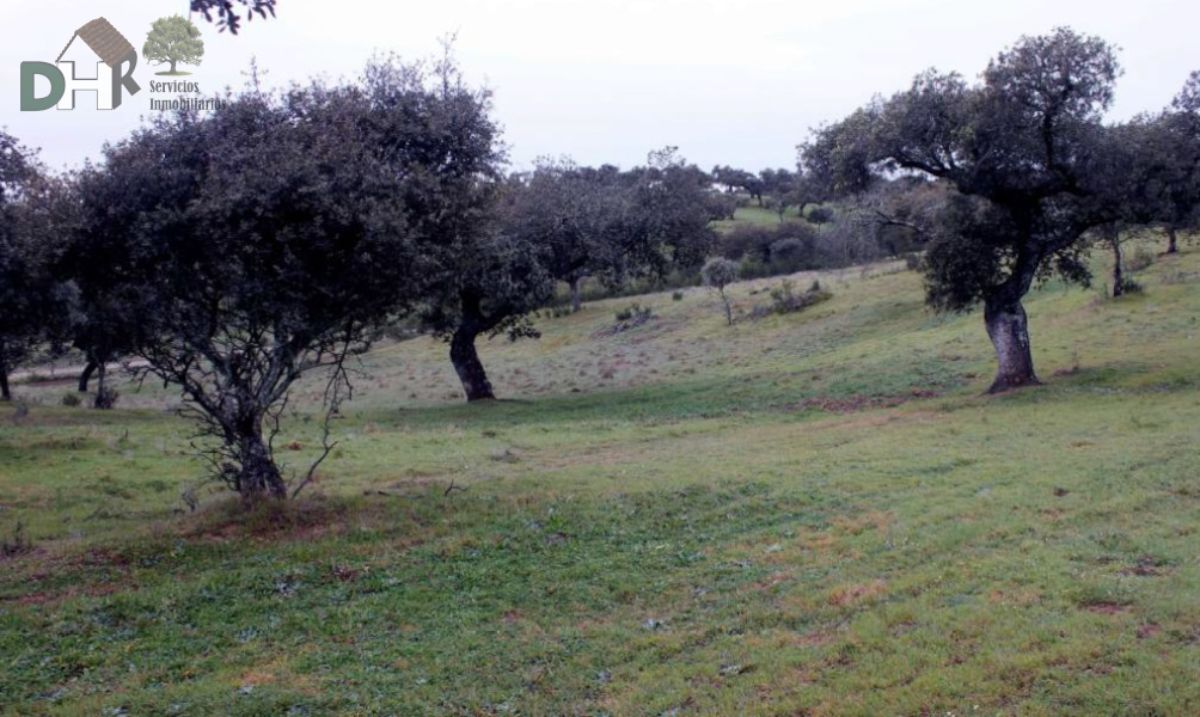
71	399
785	300
1131	286
634	312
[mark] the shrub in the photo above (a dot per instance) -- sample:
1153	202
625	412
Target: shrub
914	261
677	295
746	241
634	311
71	399
820	215
790	255
629	318
721	207
785	300
1131	286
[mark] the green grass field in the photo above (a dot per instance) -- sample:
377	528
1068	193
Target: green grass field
814	514
755	215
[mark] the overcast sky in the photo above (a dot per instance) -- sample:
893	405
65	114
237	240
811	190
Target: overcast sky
607	80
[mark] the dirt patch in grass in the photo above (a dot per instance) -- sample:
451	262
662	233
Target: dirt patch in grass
846	595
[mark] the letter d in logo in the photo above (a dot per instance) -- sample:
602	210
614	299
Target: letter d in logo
30	71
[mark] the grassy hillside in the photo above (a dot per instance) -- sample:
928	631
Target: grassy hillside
816	513
755	215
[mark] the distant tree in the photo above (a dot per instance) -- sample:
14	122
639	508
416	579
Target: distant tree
718	273
477	279
669	225
1019	154
780	187
739	179
226	15
173	40
721	207
576	215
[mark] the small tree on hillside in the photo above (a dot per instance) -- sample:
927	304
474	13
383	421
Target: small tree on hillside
477	279
718	273
174	40
1019	153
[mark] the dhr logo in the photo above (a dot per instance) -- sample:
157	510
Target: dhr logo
114	71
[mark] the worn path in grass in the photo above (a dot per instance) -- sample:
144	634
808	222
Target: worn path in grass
809	514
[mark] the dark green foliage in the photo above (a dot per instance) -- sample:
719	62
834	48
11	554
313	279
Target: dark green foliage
34	303
226	14
275	240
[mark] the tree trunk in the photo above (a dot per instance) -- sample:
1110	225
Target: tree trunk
467	364
1008	328
86	376
173	63
259	476
728	308
5	394
1172	241
1118	275
576	294
101	401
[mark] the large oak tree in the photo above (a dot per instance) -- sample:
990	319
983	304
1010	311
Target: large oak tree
1024	153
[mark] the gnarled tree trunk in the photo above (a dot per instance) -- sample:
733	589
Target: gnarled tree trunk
462	348
258	475
86	377
1172	241
103	401
467	364
1008	328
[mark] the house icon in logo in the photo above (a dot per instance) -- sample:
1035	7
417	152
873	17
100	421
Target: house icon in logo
98	42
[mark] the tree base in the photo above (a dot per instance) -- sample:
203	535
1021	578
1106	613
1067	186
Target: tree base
1004	384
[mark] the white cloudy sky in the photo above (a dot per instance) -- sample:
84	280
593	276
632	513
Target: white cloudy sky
730	82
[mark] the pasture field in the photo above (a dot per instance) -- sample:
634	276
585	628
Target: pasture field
816	513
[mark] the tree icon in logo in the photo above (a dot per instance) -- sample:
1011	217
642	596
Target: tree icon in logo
174	40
